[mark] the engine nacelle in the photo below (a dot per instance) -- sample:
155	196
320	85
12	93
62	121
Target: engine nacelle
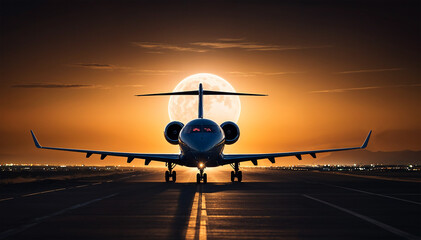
172	131
231	131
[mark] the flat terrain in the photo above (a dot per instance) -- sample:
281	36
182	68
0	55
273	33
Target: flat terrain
268	204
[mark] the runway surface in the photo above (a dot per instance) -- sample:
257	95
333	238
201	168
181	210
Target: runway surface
268	204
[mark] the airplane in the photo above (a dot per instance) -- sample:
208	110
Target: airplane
201	142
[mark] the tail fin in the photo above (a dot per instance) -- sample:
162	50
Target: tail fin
200	93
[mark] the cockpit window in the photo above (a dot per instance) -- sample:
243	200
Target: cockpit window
202	129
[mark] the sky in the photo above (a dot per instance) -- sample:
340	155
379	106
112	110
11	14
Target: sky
333	70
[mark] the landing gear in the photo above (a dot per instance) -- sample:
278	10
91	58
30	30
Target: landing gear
170	173
236	173
201	176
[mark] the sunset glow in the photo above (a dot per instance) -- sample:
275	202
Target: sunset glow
332	73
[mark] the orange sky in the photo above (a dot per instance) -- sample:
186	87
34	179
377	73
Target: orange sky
70	73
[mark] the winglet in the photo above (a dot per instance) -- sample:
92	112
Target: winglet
35	140
366	140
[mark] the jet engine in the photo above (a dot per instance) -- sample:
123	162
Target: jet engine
231	131
172	130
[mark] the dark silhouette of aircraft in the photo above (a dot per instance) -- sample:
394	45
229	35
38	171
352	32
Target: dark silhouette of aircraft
201	143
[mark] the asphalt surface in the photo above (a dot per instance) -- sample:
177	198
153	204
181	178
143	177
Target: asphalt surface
268	204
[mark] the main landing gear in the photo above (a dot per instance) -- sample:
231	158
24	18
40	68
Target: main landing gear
201	176
236	173
170	173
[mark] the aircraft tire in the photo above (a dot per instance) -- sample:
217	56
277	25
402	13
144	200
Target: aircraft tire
240	176
205	178
198	178
174	176
167	176
232	176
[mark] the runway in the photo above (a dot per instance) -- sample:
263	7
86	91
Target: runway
268	204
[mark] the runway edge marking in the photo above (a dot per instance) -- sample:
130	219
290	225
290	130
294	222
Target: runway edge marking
39	220
48	191
375	194
384	226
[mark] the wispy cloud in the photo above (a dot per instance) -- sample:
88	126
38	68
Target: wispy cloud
70	86
95	66
252	74
51	85
103	66
166	46
370	70
341	90
153	72
249	46
231	39
221	43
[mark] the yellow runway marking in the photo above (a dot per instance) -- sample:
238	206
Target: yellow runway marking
203	219
197	228
191	229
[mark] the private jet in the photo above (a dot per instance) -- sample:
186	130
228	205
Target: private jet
201	142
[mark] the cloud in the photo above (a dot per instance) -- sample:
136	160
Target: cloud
165	46
102	66
252	74
153	72
221	43
94	66
231	39
247	46
370	70
51	85
341	90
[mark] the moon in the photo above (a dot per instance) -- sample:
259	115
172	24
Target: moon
217	108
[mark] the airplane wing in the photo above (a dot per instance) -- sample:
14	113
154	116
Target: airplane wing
171	158
234	158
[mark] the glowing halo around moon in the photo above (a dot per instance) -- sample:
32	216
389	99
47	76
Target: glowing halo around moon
217	108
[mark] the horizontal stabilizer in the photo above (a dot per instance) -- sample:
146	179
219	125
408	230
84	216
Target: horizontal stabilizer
205	92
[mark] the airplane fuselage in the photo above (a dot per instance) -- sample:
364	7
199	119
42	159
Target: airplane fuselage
201	143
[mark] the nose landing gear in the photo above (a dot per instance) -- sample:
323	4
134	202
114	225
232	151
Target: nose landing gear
236	173
170	173
201	176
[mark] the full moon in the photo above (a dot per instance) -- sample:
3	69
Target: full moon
217	108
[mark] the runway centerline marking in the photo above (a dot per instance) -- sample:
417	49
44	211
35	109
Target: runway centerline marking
375	194
191	228
203	219
39	220
384	226
198	221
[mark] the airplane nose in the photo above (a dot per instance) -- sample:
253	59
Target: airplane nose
203	148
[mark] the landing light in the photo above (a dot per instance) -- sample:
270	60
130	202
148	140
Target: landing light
201	165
